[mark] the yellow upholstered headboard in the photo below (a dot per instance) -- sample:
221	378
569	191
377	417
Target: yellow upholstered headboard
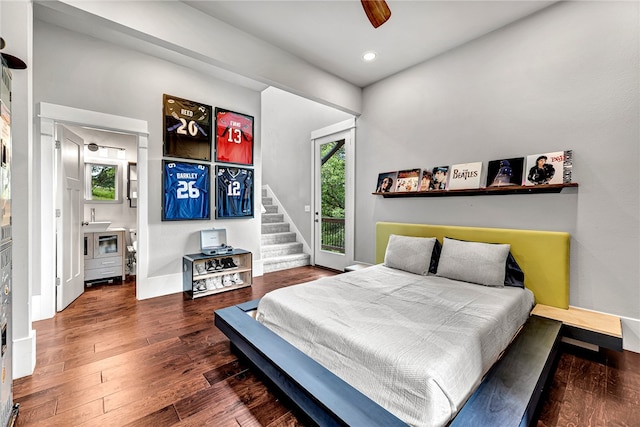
543	256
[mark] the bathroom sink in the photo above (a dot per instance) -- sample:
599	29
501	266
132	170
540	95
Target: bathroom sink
90	227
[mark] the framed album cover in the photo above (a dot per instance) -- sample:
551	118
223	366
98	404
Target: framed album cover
464	176
505	172
386	182
187	128
439	176
234	137
408	180
234	195
185	188
549	168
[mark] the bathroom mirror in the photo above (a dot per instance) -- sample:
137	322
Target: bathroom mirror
102	183
132	184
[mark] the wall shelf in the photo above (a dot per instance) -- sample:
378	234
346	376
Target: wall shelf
488	191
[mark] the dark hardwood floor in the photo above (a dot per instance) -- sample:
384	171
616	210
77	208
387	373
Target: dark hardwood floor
110	360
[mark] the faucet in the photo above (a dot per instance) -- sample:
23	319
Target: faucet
93	214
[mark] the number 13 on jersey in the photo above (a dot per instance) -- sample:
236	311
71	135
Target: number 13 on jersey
234	137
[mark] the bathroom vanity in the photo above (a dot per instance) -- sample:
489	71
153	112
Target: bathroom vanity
104	255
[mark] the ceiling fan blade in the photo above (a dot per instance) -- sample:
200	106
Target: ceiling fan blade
13	62
377	11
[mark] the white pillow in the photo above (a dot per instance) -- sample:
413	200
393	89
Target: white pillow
475	262
412	254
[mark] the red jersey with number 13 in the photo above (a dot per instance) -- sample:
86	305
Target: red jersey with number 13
234	138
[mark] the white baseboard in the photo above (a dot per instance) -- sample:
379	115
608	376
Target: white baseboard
159	286
41	308
258	269
24	356
631	334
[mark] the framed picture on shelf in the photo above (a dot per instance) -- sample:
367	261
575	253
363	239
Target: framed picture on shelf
465	176
234	195
386	182
549	168
185	188
234	137
408	180
505	172
439	178
425	180
187	128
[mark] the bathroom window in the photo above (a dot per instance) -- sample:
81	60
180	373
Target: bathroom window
102	183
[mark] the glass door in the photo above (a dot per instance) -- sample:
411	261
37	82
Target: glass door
333	199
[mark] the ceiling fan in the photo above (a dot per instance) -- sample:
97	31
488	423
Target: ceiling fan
377	11
10	60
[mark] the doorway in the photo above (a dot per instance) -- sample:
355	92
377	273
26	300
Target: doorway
50	115
333	189
109	204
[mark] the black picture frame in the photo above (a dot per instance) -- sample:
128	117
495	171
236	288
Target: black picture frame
186	128
234	192
505	172
185	191
234	134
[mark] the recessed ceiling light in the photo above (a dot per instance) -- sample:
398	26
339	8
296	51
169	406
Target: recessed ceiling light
369	56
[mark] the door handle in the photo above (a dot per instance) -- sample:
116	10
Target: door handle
83	223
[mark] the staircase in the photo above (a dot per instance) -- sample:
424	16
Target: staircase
279	248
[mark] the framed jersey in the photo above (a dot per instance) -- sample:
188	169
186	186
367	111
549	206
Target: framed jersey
234	137
186	191
187	128
234	195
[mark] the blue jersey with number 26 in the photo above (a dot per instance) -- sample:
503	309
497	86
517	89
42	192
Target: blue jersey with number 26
186	191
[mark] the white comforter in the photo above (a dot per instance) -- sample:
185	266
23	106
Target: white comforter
416	345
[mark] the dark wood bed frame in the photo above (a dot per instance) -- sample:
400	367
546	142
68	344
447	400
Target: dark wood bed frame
508	396
510	393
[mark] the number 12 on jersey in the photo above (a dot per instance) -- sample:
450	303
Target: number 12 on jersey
234	197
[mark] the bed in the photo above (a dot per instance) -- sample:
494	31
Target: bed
396	342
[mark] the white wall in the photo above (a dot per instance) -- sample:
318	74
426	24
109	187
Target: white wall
170	25
79	71
16	23
288	121
564	78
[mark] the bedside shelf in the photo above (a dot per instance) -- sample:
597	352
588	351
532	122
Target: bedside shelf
604	330
488	191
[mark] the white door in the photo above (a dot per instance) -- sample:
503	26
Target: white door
333	196
69	217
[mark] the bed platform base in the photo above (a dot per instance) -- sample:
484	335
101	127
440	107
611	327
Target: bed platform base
508	396
323	397
510	393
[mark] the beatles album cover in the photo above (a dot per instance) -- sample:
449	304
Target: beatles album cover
465	176
386	182
549	168
505	172
187	128
407	180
